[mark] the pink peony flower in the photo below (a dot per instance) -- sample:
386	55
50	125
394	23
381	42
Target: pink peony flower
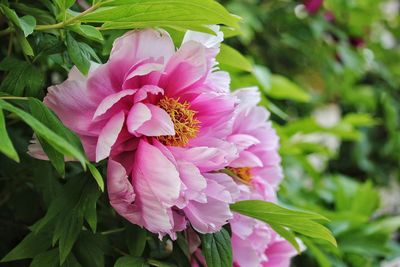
258	163
161	116
313	6
255	244
258	172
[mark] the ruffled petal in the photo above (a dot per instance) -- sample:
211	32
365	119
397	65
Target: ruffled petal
108	136
72	105
121	193
144	91
186	67
249	96
243	141
110	101
143	74
279	254
206	39
193	180
135	46
219	81
138	115
210	41
128	50
157	189
226	182
246	159
208	217
159	124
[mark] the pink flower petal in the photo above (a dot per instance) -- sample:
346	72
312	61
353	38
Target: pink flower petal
219	81
128	50
185	68
243	141
208	217
145	90
279	254
111	100
137	45
246	159
193	180
72	105
121	193
145	72
145	69
159	124
109	135
226	182
249	97
206	39
138	115
157	189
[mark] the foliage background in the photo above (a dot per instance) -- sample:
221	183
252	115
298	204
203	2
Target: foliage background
329	77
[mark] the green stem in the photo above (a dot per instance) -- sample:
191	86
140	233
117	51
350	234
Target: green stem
72	20
49	27
152	262
14	97
6	31
113	231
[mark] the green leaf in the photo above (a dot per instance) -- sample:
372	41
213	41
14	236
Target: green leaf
136	238
297	221
27	24
158	263
359	119
22	79
217	249
67	231
282	88
96	175
6	145
49	119
78	56
231	57
68	3
63	5
87	31
23	42
319	255
129	261
91	195
41	15
178	14
88	249
44	132
71	261
29	247
366	199
23	27
44	115
287	234
48	259
10	15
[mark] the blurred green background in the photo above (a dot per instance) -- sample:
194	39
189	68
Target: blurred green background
329	73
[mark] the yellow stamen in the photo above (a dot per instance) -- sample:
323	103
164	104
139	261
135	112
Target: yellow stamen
185	124
243	174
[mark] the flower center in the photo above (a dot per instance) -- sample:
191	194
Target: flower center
243	174
185	124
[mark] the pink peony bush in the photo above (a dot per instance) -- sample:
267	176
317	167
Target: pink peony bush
180	146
